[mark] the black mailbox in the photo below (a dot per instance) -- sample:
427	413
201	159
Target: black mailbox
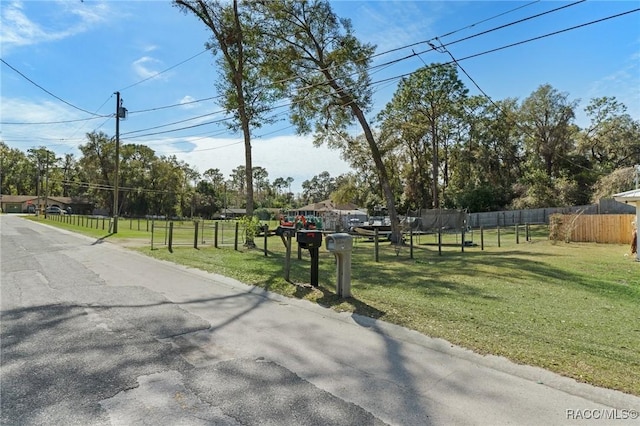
309	238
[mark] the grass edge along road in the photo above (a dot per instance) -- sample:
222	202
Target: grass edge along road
573	309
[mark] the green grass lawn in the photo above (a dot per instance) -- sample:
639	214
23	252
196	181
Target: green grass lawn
570	308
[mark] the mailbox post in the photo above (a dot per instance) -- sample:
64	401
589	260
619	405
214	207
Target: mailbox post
341	245
311	240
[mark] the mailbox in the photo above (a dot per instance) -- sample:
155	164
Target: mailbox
341	245
283	231
309	239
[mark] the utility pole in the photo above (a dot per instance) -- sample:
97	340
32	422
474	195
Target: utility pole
46	185
38	188
121	112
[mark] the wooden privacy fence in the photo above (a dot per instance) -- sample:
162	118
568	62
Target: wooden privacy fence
600	228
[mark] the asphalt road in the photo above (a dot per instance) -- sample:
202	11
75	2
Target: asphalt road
95	334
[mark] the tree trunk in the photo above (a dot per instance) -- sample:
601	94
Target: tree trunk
435	165
396	234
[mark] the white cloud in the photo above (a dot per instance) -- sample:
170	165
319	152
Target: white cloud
60	137
19	29
187	101
143	67
19	110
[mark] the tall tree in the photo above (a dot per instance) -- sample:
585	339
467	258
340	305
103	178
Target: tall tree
246	96
279	184
166	181
612	139
98	167
135	175
546	118
215	177
70	175
261	181
424	111
313	56
238	182
487	160
44	160
318	188
19	172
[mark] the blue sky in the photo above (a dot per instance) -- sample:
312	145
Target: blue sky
84	51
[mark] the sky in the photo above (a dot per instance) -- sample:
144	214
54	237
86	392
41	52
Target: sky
64	60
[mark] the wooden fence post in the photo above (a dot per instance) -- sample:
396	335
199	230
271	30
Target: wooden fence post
287	258
410	243
235	244
215	234
376	249
266	234
171	237
195	234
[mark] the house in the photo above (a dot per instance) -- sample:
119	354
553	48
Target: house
29	204
631	197
335	217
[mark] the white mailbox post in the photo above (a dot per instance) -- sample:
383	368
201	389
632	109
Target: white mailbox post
341	245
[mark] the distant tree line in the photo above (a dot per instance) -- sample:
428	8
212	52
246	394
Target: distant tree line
149	184
489	156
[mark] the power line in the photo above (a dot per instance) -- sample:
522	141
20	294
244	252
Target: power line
519	21
549	34
46	91
373	56
190	127
456	31
174	105
432	47
388	80
163	71
8	123
384	65
233	143
486	52
175	122
453	61
182	128
436	38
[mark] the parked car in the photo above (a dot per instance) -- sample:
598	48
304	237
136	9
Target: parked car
54	210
